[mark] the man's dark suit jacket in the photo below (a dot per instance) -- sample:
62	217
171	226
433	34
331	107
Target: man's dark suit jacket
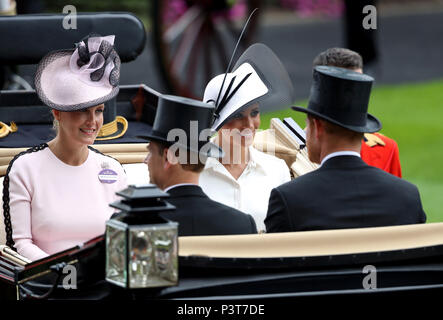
343	193
198	215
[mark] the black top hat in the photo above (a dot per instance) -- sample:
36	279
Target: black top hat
175	112
341	96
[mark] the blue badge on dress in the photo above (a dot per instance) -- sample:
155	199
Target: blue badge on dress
107	175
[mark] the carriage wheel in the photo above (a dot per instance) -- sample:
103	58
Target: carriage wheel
194	39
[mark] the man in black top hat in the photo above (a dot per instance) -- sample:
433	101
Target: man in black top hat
175	165
344	192
377	150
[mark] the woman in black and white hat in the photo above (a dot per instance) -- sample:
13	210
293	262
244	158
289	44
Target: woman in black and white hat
57	194
244	178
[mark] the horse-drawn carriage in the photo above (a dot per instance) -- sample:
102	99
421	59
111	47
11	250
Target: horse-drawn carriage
376	261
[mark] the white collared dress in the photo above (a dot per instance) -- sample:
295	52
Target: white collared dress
250	192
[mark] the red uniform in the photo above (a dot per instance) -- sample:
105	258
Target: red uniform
382	152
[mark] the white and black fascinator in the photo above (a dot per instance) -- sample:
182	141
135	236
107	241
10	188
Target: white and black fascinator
258	77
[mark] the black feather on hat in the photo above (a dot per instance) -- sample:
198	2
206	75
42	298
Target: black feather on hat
258	77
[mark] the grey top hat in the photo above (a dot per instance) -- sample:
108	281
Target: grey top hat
341	96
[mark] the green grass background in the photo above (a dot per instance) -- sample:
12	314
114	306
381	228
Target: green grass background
412	114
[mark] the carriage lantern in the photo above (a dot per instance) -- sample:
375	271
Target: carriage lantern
141	246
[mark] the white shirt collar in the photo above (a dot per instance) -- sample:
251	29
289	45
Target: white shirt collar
339	153
254	161
179	185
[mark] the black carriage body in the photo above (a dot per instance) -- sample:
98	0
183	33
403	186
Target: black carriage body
400	273
23	43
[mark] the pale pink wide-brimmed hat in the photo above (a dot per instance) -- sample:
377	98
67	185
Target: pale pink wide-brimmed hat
79	78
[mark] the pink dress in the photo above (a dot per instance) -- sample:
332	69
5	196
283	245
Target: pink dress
55	206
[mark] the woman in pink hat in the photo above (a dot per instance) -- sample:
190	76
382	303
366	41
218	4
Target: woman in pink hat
57	194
